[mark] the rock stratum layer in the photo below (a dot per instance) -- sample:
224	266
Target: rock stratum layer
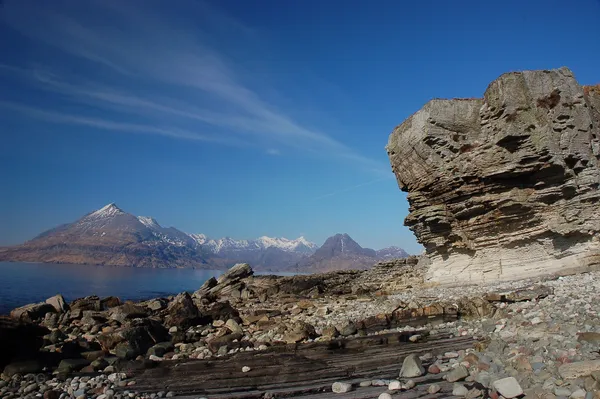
504	187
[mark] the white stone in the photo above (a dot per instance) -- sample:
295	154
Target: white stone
508	387
395	385
459	390
384	395
245	369
341	387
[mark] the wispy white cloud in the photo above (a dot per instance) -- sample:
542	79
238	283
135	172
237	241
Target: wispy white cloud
273	151
142	47
58	117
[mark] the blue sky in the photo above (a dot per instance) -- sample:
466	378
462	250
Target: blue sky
247	118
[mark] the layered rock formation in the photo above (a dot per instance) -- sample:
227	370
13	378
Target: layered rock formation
504	187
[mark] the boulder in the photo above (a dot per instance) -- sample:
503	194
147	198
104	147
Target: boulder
127	311
88	303
228	284
58	303
182	312
109	302
504	187
236	273
205	288
32	312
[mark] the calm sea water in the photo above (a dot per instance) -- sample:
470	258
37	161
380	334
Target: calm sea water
23	283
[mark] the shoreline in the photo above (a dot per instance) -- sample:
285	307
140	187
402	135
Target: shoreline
515	330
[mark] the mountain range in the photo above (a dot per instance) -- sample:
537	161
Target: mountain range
109	236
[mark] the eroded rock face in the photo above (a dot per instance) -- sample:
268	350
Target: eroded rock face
504	187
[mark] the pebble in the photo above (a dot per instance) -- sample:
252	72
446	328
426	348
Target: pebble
459	373
415	338
245	369
411	367
341	387
459	390
395	385
384	395
434	388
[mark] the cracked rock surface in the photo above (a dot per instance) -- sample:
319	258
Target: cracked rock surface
504	187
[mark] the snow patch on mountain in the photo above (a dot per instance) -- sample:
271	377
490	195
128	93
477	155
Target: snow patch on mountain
217	246
149	222
106	211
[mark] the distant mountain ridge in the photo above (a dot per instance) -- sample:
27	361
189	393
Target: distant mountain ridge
340	252
109	236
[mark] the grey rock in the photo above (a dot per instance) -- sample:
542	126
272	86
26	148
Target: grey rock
412	367
508	387
458	373
32	312
58	303
579	369
459	390
233	326
434	388
160	349
348	329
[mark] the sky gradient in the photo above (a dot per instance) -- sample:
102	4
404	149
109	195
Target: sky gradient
247	118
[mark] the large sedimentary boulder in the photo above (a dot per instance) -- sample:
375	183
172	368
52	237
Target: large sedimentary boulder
504	187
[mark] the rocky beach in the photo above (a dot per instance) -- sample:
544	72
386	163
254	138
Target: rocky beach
537	337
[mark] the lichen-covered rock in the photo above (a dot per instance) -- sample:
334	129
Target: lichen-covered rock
504	187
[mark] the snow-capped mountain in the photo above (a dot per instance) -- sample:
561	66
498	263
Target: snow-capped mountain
111	236
221	245
272	253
